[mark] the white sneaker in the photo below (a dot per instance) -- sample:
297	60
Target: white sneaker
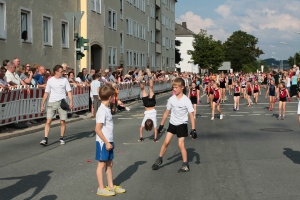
212	118
62	142
221	116
194	116
237	108
126	108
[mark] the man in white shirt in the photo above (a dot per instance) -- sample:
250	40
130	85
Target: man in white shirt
57	86
12	77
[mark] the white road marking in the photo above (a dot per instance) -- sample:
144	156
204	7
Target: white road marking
124	118
204	116
242	112
236	115
269	114
254	114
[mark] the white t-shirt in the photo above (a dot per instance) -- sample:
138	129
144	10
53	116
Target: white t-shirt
14	77
104	117
150	114
94	86
57	88
180	108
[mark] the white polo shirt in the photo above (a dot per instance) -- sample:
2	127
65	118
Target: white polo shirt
180	108
57	88
14	77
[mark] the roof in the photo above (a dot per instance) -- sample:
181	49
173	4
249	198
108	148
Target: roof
181	30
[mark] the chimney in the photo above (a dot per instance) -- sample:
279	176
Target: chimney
184	25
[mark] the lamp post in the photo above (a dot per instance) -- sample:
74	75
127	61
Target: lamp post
294	50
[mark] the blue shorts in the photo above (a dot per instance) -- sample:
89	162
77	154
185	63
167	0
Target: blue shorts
102	154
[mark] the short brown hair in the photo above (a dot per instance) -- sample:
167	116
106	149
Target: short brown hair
178	82
148	125
106	91
56	68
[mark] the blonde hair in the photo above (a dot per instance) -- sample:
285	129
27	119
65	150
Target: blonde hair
178	82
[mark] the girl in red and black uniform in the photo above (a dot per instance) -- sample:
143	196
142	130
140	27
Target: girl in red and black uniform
216	101
249	92
236	95
223	87
194	97
211	92
256	89
281	95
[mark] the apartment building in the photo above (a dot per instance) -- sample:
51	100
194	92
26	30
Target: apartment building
131	33
36	31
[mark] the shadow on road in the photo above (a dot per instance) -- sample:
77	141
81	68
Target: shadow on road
76	136
49	197
128	172
293	155
37	181
191	154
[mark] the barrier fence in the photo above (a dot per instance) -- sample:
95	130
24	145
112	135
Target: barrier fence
18	105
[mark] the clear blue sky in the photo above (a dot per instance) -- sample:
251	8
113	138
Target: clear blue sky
271	21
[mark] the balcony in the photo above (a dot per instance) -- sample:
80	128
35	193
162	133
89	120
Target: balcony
158	48
158	3
157	25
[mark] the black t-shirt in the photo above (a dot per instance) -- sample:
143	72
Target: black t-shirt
276	77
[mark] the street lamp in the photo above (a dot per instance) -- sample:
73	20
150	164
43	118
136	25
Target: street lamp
294	50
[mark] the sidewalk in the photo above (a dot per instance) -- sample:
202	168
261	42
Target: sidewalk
33	128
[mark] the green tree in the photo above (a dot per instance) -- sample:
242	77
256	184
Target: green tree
240	49
291	60
208	53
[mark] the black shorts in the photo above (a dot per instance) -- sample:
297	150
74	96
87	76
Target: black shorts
249	93
229	81
148	103
211	93
282	99
236	94
180	130
222	86
243	86
193	100
255	91
215	100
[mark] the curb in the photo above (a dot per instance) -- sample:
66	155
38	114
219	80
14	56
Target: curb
34	130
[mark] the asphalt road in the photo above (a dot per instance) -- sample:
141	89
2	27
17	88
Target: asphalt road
247	155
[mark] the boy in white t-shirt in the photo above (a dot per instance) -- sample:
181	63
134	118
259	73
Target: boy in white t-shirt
105	144
181	107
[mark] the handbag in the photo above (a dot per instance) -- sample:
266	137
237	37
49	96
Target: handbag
64	105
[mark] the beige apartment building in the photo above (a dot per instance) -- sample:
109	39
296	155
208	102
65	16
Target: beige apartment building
132	33
36	31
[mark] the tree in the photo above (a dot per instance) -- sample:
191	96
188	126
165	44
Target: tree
177	53
240	49
291	60
207	53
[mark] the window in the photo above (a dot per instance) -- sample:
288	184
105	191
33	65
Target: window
64	34
143	63
129	58
164	1
167	43
96	6
152	36
129	26
152	11
2	20
47	30
121	42
112	19
167	23
153	61
143	32
148	46
134	28
163	62
104	15
163	19
137	59
112	56
26	25
121	10
148	22
134	59
143	6
163	41
136	3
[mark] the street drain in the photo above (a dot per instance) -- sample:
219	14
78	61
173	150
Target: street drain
276	130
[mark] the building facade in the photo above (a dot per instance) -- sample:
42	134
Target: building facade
185	36
36	31
128	33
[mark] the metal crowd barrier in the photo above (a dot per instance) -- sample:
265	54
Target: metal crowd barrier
17	105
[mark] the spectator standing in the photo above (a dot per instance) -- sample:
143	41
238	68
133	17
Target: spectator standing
4	63
3	82
21	72
39	77
12	77
110	77
16	61
95	88
90	76
57	86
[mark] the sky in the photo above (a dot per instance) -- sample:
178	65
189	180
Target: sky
271	21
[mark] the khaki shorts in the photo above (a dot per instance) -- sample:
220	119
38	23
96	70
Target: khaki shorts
52	107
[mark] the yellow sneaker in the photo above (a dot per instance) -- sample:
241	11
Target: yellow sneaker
117	189
105	192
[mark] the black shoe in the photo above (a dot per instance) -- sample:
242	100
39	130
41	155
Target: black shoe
156	164
184	168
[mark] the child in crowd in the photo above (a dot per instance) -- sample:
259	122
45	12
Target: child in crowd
194	97
180	107
271	91
105	144
216	101
281	95
256	90
236	95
